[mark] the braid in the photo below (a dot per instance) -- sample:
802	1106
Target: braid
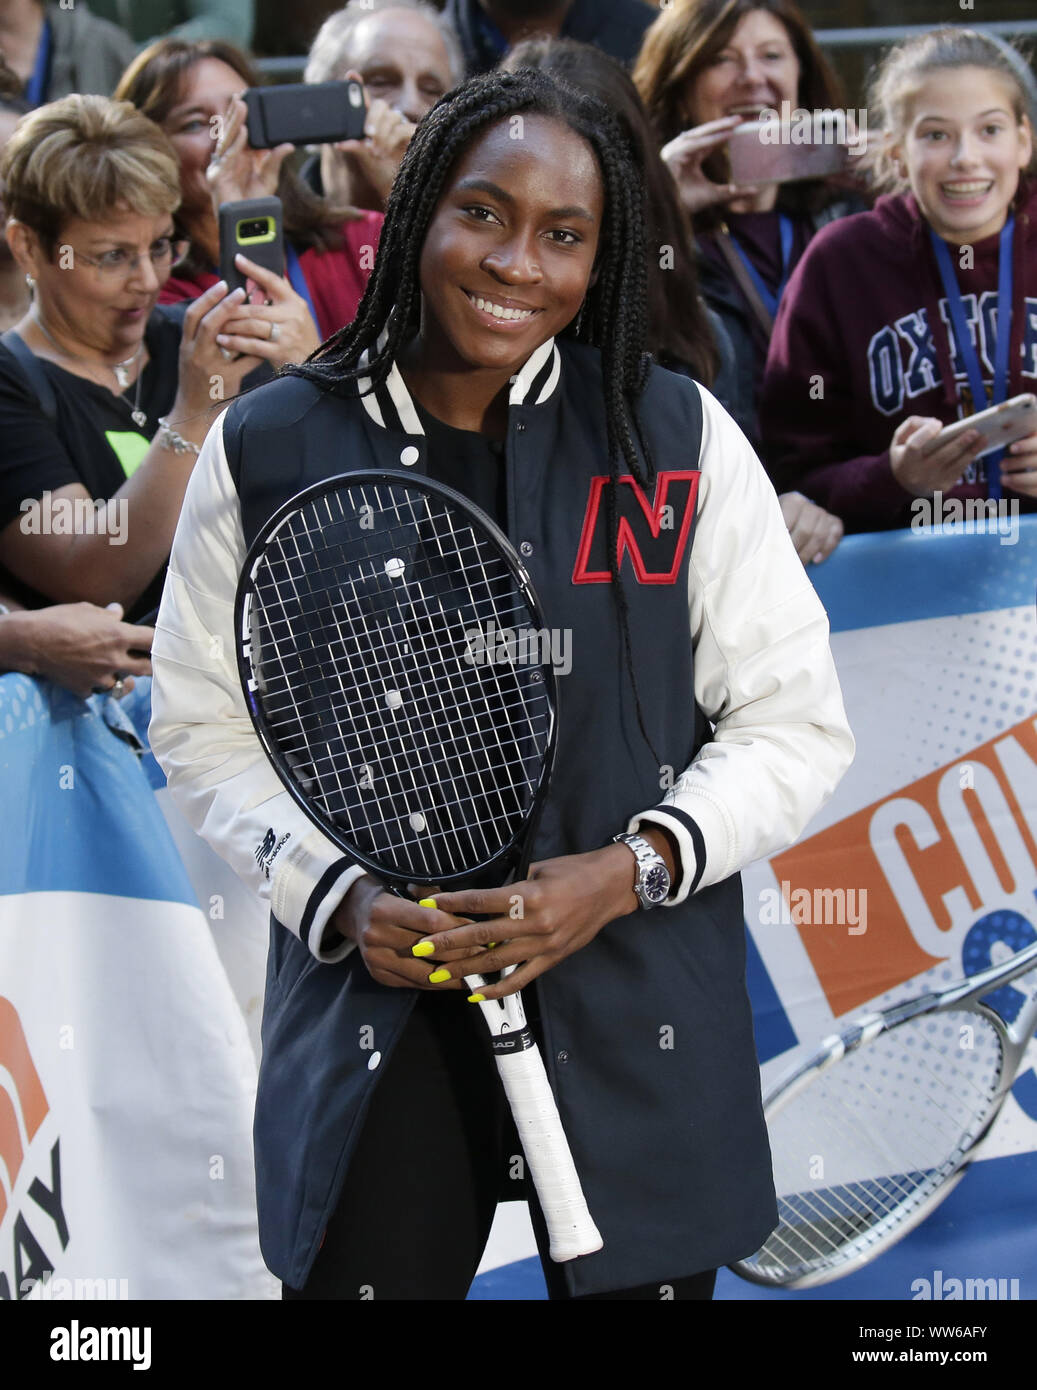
614	318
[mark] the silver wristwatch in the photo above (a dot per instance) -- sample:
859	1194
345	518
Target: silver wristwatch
652	885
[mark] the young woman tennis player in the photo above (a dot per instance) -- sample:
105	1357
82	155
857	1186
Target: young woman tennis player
901	320
499	350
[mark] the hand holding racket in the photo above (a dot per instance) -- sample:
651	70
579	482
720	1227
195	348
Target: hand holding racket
525	928
359	614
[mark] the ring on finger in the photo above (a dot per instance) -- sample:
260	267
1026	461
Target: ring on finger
275	332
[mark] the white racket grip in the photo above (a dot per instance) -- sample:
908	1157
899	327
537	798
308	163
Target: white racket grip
569	1224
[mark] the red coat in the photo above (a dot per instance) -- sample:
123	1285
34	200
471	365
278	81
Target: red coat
336	279
861	343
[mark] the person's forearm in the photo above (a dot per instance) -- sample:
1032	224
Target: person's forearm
118	556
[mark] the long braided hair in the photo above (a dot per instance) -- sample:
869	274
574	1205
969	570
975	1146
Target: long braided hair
613	317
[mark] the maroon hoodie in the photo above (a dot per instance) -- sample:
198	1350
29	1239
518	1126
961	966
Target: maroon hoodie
862	341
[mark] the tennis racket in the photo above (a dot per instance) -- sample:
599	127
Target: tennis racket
379	618
877	1127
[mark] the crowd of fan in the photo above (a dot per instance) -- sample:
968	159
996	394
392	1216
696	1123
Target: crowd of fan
116	158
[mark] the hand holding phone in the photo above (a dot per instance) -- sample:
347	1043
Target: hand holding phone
997	427
684	157
279	330
237	171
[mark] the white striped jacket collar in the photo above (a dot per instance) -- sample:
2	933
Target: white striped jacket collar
391	406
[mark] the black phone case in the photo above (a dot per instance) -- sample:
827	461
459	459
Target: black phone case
268	253
316	113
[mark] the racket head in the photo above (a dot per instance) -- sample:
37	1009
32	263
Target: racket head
369	618
879	1124
866	1141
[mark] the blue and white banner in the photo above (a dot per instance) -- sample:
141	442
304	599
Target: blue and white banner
127	1076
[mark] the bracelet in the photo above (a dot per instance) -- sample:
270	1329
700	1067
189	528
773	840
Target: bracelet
169	439
4	609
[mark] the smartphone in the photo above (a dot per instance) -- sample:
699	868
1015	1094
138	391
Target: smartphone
252	226
305	113
1000	425
756	156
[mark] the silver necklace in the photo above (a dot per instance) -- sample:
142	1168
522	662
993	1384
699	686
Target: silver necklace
120	370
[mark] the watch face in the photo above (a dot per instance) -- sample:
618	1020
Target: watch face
656	884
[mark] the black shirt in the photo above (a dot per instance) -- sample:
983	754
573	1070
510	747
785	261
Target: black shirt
92	440
470	463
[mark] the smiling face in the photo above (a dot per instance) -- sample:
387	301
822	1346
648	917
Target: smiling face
401	58
208	87
98	311
963	151
510	249
756	68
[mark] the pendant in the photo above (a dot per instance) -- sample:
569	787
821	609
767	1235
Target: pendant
122	376
139	418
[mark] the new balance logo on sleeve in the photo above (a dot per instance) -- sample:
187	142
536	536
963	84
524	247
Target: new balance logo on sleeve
269	849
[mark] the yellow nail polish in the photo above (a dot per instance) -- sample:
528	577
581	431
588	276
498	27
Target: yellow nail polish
423	948
438	976
477	999
490	945
426	902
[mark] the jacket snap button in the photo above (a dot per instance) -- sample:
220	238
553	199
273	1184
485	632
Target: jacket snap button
526	548
563	1056
520	427
410	456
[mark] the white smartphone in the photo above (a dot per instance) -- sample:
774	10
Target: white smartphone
762	152
999	425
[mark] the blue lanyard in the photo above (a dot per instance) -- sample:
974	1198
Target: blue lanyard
36	87
966	347
298	280
771	301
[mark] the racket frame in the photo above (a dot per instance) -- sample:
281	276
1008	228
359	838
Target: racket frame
968	994
515	853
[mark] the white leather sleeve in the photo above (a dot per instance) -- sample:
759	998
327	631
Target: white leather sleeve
764	676
201	733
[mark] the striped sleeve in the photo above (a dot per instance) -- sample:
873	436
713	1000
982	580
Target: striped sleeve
202	735
764	676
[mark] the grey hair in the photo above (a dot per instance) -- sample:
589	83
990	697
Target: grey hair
905	67
327	61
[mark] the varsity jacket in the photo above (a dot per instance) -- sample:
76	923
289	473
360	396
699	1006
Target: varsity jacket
647	1031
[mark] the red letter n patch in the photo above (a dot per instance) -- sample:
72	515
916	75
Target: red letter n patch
654	536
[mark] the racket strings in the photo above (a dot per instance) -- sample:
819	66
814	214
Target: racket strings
882	1130
421	747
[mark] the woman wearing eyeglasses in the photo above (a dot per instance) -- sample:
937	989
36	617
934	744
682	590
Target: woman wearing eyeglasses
104	398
